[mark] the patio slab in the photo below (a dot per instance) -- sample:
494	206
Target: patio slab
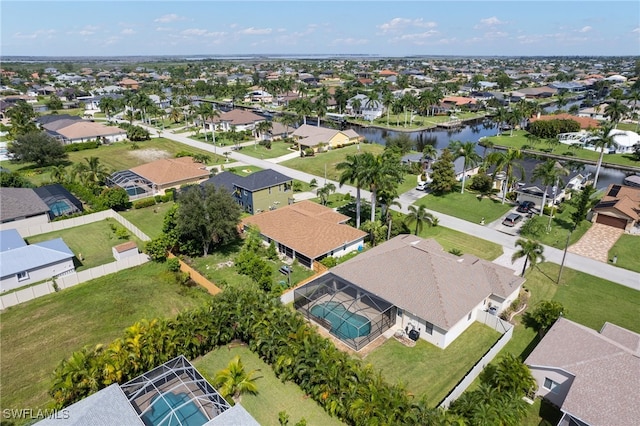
596	242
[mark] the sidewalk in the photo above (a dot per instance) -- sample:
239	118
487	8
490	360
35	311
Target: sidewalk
574	261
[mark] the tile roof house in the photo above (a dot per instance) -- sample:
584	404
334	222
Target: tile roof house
585	122
238	118
72	129
435	292
260	191
620	207
307	231
312	136
593	377
171	173
21	208
22	264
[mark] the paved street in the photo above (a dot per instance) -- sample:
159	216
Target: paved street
573	260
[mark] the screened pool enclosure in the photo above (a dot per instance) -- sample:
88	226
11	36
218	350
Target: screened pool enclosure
345	310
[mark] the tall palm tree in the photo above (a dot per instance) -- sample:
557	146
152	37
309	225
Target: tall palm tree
205	109
467	151
353	172
532	252
234	381
303	108
616	111
320	105
387	101
381	172
213	114
108	106
325	191
356	107
288	120
508	162
420	216
603	138
548	173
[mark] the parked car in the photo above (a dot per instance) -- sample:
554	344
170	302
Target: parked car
526	207
422	186
512	219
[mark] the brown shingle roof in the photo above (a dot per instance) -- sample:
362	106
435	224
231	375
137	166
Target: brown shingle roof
120	248
238	117
585	122
306	227
88	129
627	201
607	372
172	170
418	276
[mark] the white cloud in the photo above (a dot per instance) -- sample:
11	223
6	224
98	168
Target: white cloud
636	30
489	22
349	41
198	32
36	34
397	24
171	17
127	31
585	29
416	36
163	29
255	31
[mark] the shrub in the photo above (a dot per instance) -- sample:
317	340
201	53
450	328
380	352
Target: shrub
329	262
173	264
309	152
144	203
122	233
158	198
81	146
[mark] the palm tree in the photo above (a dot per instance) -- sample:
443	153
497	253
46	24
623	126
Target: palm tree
380	171
467	151
603	138
387	101
288	120
506	161
107	105
352	172
532	252
320	105
548	173
325	191
616	110
175	114
58	174
205	110
420	216
500	118
356	107
263	128
213	114
234	381
303	108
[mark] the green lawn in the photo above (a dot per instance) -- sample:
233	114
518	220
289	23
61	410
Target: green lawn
244	170
316	165
278	149
466	206
149	219
35	336
117	156
273	395
627	249
561	224
439	370
409	183
518	140
93	241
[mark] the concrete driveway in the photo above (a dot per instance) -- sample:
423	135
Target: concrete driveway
597	242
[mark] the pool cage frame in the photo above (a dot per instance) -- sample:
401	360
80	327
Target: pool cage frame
128	180
331	288
174	376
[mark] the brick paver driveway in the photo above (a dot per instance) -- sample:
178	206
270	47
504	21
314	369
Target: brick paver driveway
597	242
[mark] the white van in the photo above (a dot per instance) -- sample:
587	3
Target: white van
422	186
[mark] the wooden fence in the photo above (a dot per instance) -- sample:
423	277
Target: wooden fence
197	277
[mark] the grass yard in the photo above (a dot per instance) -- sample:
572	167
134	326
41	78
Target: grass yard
278	149
627	248
244	170
93	241
149	219
316	165
35	336
466	206
428	369
519	139
409	183
273	395
561	224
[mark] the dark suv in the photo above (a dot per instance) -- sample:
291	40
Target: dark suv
512	219
526	207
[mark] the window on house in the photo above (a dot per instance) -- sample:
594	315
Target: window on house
469	316
24	275
269	190
428	328
551	385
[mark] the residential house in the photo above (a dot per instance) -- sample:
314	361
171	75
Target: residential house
592	377
586	123
619	207
307	231
261	191
129	83
280	131
170	394
258	96
21	208
156	177
60	201
237	119
316	137
431	291
368	110
22	264
70	129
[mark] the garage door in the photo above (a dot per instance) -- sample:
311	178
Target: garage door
611	221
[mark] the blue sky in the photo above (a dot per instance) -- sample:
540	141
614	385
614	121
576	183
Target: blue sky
385	28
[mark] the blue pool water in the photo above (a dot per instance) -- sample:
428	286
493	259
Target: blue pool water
60	207
343	322
188	414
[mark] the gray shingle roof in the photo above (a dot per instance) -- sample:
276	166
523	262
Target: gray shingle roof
418	276
254	182
20	202
606	367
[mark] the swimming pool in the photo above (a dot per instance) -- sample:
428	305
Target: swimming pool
60	207
344	324
185	412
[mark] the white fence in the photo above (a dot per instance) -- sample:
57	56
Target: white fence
35	291
500	326
81	220
70	280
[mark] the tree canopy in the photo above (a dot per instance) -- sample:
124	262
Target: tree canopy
37	147
444	176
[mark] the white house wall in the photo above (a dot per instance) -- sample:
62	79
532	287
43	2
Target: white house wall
437	337
458	328
35	275
25	223
563	378
344	250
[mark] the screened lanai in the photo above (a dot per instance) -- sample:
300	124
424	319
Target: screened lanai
353	315
174	394
135	185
